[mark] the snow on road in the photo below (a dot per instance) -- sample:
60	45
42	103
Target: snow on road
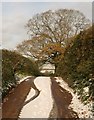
41	106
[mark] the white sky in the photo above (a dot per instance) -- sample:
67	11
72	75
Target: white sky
15	15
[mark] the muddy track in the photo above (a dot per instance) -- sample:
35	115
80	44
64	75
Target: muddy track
62	99
15	100
13	103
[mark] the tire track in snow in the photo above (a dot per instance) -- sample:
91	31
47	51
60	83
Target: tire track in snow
62	99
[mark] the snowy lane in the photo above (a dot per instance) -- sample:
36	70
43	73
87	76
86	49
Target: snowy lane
42	105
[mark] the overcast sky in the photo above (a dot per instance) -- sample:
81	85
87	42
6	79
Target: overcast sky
15	15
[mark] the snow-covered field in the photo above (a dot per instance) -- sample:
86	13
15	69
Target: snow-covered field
83	111
41	106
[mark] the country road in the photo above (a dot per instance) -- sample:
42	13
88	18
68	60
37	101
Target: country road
36	97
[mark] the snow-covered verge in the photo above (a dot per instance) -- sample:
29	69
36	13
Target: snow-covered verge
41	106
23	79
83	111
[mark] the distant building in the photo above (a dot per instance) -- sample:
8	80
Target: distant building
49	68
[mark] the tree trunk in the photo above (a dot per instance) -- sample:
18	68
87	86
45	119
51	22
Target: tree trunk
56	65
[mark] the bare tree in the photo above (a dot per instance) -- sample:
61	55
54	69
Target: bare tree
50	32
